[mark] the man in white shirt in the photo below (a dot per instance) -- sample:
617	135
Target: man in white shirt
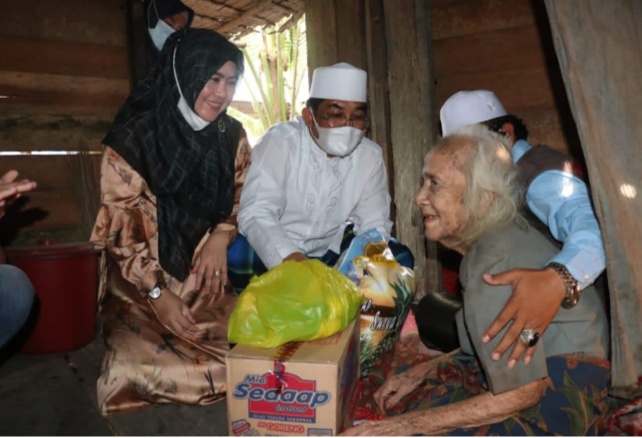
312	177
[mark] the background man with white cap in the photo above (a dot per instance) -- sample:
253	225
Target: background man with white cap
312	177
557	199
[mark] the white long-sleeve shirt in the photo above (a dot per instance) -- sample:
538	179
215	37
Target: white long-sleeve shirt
296	199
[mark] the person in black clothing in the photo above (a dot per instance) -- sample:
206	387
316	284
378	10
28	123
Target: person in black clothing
162	18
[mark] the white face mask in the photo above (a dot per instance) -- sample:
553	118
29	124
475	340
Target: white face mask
192	119
339	142
160	33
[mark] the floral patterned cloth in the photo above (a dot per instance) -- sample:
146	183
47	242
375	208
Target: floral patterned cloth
574	404
144	362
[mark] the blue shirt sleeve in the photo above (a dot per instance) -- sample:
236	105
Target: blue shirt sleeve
561	201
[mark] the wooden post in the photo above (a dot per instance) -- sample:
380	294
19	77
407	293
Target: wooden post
136	28
351	32
598	48
321	32
408	45
378	92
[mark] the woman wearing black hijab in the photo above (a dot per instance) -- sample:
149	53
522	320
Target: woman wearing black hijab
171	176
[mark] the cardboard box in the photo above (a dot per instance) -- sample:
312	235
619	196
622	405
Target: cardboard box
300	388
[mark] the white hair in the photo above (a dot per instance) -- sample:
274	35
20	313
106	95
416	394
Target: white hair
494	192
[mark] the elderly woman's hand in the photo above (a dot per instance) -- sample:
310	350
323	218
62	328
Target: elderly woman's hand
210	265
388	427
537	296
398	386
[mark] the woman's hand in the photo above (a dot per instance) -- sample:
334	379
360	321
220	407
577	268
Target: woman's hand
210	265
175	315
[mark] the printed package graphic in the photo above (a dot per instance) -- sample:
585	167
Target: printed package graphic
300	388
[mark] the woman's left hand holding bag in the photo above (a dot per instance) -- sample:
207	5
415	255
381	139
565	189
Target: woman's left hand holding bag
210	265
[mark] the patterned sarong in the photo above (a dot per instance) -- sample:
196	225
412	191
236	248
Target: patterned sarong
575	404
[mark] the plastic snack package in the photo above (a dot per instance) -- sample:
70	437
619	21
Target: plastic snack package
388	288
294	301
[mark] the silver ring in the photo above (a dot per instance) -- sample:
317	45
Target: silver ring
217	273
529	337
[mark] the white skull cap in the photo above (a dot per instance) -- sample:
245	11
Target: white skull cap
469	108
341	81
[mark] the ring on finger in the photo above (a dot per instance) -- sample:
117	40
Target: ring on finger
217	273
529	337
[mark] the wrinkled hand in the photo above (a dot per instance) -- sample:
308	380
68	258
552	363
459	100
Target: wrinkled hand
10	189
388	427
296	257
175	315
210	265
537	296
398	386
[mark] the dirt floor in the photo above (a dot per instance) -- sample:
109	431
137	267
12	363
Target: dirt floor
56	395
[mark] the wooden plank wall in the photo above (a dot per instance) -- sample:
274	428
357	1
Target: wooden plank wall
64	72
504	46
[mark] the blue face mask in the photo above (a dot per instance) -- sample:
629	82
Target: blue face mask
160	33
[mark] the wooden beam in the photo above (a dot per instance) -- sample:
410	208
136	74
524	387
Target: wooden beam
31	93
515	47
72	21
250	12
35	55
462	17
517	88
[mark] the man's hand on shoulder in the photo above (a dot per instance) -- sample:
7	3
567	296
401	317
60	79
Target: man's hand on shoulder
537	296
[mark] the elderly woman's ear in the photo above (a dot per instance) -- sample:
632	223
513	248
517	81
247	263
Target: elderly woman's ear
488	197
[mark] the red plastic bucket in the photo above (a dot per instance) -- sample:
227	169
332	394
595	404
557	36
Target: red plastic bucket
65	278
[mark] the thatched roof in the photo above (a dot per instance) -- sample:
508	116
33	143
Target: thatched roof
235	18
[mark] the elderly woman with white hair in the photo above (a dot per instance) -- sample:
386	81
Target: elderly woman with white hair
470	202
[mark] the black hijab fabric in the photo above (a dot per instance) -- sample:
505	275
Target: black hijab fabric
160	9
191	173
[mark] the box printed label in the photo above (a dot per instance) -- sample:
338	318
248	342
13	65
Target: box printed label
281	397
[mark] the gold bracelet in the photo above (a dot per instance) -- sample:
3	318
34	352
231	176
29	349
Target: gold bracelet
572	289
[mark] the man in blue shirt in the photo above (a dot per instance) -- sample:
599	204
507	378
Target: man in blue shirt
557	198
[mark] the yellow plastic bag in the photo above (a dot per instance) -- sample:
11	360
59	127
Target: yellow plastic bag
294	301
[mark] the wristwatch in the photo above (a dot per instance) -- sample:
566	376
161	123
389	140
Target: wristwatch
156	291
572	288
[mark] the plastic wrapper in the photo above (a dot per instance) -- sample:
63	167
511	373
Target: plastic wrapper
388	288
294	301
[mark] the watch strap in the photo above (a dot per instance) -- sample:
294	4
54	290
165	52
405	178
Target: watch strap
572	288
